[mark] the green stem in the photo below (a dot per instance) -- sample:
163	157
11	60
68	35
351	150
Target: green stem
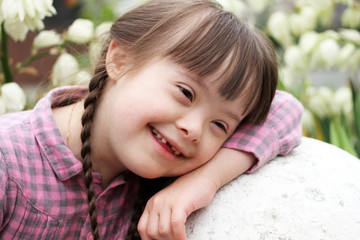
30	60
4	56
37	56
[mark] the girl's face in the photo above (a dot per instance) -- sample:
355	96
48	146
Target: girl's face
162	121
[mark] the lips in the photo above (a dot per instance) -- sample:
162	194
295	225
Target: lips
175	151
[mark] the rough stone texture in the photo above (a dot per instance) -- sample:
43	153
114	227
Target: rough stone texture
311	194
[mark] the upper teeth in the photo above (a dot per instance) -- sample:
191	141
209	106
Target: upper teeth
158	135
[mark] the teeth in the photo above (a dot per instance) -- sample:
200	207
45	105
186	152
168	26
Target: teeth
158	135
176	152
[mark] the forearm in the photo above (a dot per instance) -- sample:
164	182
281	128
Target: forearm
226	165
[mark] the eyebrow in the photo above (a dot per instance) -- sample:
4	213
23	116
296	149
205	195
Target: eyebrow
232	115
194	78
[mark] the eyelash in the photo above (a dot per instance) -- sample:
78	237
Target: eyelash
221	126
188	94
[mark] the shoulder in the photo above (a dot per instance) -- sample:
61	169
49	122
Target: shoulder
10	120
286	99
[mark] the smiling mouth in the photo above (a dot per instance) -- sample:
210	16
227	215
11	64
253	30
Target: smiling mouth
163	140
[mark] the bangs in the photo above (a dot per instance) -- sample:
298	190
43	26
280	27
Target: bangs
223	44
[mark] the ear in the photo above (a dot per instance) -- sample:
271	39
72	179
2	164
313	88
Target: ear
115	60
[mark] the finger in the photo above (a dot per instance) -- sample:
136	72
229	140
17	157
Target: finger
142	226
178	219
165	229
152	228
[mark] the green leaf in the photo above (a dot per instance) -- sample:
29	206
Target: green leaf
334	136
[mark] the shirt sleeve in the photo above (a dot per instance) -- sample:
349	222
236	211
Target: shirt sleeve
3	186
278	135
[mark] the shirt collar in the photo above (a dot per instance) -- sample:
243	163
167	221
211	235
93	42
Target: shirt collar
51	143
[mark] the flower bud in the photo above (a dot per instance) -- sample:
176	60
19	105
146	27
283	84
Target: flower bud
350	35
82	78
343	99
295	59
80	31
13	96
258	6
320	101
308	41
16	30
308	121
344	104
279	28
46	38
64	70
345	56
351	18
100	35
354	61
235	6
329	51
302	22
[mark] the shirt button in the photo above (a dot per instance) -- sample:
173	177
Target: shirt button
89	236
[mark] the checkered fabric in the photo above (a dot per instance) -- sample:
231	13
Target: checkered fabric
278	135
42	193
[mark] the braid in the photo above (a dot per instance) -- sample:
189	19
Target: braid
96	88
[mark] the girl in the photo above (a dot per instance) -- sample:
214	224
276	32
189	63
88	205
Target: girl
175	80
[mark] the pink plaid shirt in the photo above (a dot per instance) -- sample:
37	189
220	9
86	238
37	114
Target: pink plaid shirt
42	192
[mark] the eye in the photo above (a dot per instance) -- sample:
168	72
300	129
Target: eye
221	125
187	93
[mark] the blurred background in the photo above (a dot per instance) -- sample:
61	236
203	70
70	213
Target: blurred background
55	43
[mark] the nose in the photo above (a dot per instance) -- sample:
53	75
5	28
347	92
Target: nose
191	127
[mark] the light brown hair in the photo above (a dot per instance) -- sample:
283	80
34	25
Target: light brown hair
203	38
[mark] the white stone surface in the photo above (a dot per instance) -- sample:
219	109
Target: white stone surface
311	194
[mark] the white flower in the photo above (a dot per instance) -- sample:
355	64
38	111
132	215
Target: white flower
80	31
323	8
19	16
258	6
100	35
302	22
64	70
308	121
350	35
13	96
278	26
295	59
82	78
286	77
329	51
343	100
308	41
16	30
354	61
331	34
345	56
235	6
47	38
320	101
351	17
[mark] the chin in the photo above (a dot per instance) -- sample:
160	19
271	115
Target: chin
148	174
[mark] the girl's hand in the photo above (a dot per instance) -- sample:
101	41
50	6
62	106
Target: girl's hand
166	212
